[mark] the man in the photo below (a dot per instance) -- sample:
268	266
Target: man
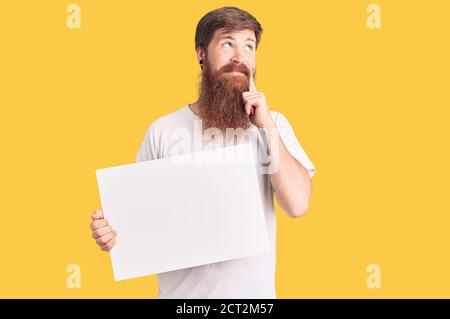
226	40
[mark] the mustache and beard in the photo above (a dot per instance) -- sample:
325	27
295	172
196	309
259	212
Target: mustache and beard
220	97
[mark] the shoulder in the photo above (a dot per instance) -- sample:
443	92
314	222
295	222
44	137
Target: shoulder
279	118
168	121
283	125
172	118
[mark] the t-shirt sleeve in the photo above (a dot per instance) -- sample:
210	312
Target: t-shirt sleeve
292	144
148	150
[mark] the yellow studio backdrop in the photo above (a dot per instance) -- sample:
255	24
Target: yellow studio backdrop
370	106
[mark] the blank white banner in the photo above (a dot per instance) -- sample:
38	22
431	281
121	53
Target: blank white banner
183	211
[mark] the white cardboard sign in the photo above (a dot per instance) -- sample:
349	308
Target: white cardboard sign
183	211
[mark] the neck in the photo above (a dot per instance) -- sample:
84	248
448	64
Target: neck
195	107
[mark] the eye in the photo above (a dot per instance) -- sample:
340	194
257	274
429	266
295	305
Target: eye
250	47
228	42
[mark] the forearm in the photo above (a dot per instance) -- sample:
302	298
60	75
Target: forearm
289	177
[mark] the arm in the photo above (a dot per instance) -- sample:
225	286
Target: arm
289	177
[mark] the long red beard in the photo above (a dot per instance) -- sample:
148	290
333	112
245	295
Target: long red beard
220	97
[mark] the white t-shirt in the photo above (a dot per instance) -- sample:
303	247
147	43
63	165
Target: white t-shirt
249	277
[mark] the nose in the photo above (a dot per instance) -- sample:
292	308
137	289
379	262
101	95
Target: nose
237	57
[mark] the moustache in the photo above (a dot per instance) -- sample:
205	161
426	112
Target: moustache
237	68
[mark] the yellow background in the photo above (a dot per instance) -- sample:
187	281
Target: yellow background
370	108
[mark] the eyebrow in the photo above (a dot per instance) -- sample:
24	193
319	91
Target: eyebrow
230	37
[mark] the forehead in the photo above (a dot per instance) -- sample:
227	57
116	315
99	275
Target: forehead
240	34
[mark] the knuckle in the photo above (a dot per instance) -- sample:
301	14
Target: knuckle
111	244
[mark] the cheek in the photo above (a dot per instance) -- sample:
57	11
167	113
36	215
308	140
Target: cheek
220	65
223	56
216	62
251	63
222	60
